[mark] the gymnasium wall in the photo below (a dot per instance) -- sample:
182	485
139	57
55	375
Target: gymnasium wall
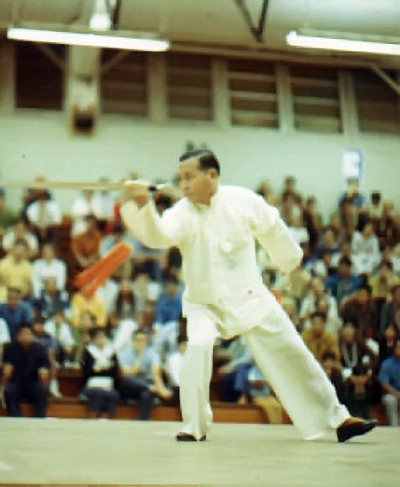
33	143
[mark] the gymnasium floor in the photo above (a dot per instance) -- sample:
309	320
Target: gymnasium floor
71	451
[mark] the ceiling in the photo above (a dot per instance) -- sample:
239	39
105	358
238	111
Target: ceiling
220	22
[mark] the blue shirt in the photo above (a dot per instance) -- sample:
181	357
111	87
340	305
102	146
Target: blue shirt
15	317
168	309
340	288
390	372
128	357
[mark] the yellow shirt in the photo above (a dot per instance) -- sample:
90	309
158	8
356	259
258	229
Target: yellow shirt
318	346
94	305
16	274
382	288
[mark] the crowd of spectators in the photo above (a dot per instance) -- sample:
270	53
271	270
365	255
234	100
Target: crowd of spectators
128	337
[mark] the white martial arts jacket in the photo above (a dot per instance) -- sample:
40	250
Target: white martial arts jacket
217	243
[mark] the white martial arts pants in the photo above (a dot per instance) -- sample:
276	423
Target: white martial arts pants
296	377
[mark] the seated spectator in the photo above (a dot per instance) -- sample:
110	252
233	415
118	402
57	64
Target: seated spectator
100	374
386	343
144	290
353	195
318	300
375	208
312	221
125	303
264	190
389	377
320	267
4	337
317	339
167	313
390	313
15	312
233	382
344	251
25	374
365	252
298	230
360	309
50	345
108	292
43	214
84	301
109	241
81	333
328	243
358	361
383	280
48	266
389	226
120	331
85	205
60	330
261	394
18	232
289	189
332	369
7	216
16	270
342	283
148	260
51	298
141	374
85	245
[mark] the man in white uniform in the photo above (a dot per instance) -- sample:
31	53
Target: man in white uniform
215	228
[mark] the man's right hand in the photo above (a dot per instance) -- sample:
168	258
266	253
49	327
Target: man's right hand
138	191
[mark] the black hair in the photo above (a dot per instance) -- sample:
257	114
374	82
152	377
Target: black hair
21	241
22	326
93	332
139	331
328	355
346	261
365	287
318	314
206	158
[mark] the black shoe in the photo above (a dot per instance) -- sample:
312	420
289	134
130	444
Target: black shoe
188	437
347	431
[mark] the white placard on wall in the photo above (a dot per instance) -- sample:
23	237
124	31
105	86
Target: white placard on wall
353	163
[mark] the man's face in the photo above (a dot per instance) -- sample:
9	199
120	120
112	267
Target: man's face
344	270
348	333
19	252
318	326
196	185
140	342
25	337
362	296
48	252
38	328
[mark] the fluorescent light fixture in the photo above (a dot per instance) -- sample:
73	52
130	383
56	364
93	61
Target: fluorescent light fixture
89	39
336	41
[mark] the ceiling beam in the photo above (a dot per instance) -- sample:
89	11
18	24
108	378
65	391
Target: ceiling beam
256	28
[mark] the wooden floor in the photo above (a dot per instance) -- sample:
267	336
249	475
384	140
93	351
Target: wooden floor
97	452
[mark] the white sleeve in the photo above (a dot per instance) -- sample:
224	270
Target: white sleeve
55	211
36	279
151	229
4	333
61	275
274	236
66	336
